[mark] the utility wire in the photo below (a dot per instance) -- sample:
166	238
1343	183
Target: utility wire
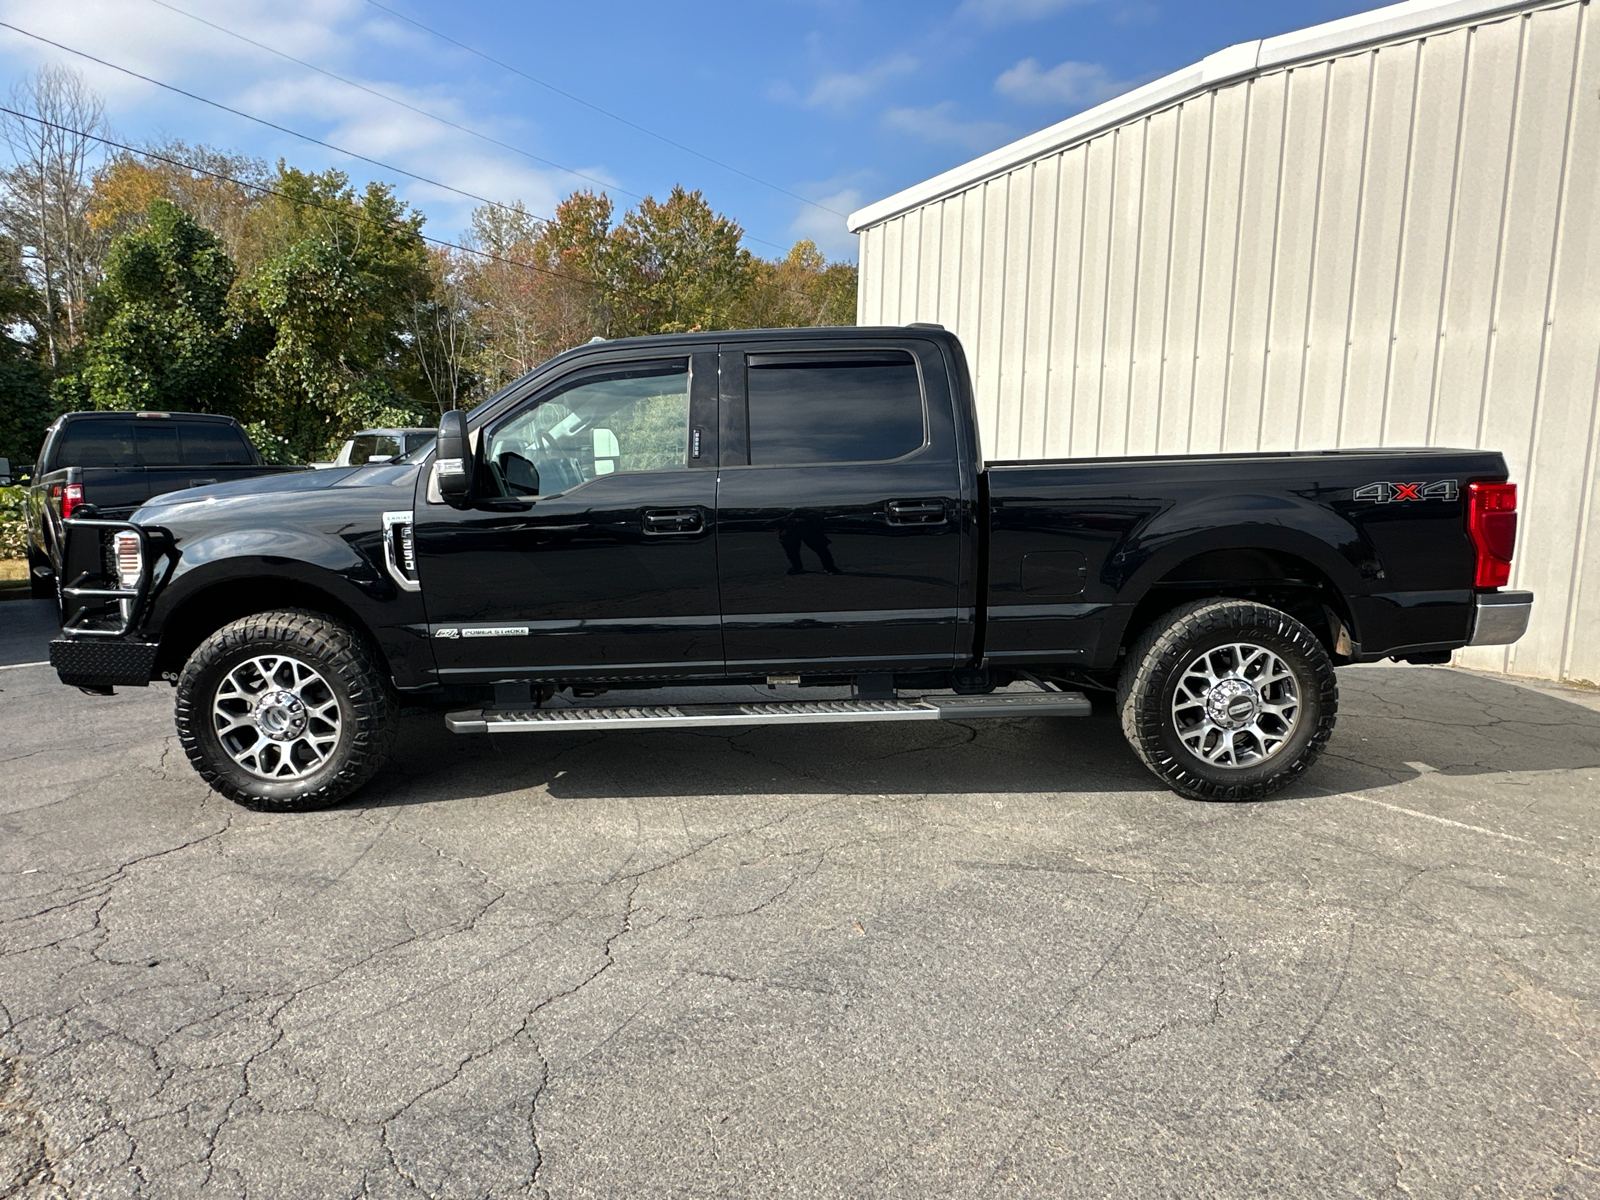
272	191
306	137
603	111
392	99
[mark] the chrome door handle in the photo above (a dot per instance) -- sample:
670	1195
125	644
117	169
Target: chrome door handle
916	512
673	520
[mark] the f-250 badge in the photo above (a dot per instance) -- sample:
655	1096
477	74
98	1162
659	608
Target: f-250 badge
1394	493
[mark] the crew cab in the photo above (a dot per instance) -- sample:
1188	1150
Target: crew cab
800	507
110	463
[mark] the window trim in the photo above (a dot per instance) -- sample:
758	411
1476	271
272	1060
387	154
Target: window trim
594	373
775	358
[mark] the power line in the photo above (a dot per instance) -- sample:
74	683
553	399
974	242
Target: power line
269	124
272	191
603	111
306	137
392	99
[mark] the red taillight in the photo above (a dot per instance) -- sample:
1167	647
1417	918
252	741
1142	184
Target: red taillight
70	499
1492	522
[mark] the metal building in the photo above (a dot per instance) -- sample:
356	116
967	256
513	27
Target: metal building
1384	230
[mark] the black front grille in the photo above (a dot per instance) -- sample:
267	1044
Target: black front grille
95	662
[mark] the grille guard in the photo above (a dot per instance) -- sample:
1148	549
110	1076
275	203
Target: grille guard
131	603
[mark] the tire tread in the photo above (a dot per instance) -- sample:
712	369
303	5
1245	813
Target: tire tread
349	657
1140	694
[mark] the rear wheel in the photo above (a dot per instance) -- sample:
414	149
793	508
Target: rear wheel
285	711
1228	699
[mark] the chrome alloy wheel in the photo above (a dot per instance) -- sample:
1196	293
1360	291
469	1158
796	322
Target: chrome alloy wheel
276	717
1236	705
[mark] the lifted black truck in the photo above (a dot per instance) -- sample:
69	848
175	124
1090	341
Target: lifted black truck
800	506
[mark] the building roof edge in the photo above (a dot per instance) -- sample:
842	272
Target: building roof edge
1410	18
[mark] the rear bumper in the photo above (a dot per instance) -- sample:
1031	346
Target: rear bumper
1500	618
103	662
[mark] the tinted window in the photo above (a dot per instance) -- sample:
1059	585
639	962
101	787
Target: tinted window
214	445
96	443
835	409
633	420
158	443
415	441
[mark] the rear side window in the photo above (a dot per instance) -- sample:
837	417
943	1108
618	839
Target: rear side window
213	444
864	407
96	443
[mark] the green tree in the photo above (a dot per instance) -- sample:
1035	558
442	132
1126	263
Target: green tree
161	332
340	279
678	266
26	409
801	289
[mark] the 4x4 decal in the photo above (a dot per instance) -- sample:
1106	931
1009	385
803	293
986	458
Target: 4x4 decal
1390	493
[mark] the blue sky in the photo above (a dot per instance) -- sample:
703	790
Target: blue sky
837	101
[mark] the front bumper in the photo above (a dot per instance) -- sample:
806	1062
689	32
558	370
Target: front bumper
1500	618
103	662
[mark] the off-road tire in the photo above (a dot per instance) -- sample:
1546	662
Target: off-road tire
348	664
1145	692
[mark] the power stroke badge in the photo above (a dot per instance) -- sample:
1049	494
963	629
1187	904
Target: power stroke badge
480	631
1399	493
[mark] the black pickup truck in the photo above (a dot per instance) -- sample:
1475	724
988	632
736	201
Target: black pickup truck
110	463
802	507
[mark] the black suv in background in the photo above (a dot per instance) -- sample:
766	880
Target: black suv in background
107	464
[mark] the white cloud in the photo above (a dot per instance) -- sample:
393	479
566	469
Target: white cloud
825	228
1009	12
1071	83
335	34
842	90
937	123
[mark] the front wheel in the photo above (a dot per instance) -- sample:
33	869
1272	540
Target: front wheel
1228	699
285	711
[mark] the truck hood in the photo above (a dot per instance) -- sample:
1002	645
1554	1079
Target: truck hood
266	492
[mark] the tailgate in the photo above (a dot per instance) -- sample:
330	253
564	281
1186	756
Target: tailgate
112	489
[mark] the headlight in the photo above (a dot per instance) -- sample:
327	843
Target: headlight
127	550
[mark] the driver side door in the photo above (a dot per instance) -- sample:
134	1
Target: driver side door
591	552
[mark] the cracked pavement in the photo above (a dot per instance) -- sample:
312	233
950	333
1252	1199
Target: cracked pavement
893	960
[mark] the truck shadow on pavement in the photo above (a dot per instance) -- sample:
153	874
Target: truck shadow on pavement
1395	724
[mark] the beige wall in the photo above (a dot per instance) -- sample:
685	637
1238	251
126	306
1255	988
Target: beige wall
1397	246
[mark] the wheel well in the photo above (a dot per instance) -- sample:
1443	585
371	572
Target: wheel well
1272	577
209	609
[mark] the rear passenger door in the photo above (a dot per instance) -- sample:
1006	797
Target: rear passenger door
839	512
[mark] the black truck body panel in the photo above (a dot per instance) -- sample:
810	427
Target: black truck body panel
116	484
725	567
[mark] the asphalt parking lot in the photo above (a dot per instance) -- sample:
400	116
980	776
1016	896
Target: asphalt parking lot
899	961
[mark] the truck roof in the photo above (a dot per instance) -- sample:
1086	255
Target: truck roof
124	414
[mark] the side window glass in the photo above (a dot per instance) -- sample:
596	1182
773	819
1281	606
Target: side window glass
834	409
362	448
629	420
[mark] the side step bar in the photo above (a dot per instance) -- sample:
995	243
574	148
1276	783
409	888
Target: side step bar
777	712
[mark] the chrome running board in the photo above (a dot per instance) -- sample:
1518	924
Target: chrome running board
773	712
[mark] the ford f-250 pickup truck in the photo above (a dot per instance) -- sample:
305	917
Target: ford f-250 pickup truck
797	506
110	463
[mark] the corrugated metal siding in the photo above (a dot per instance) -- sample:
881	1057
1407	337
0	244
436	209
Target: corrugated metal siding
1396	246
